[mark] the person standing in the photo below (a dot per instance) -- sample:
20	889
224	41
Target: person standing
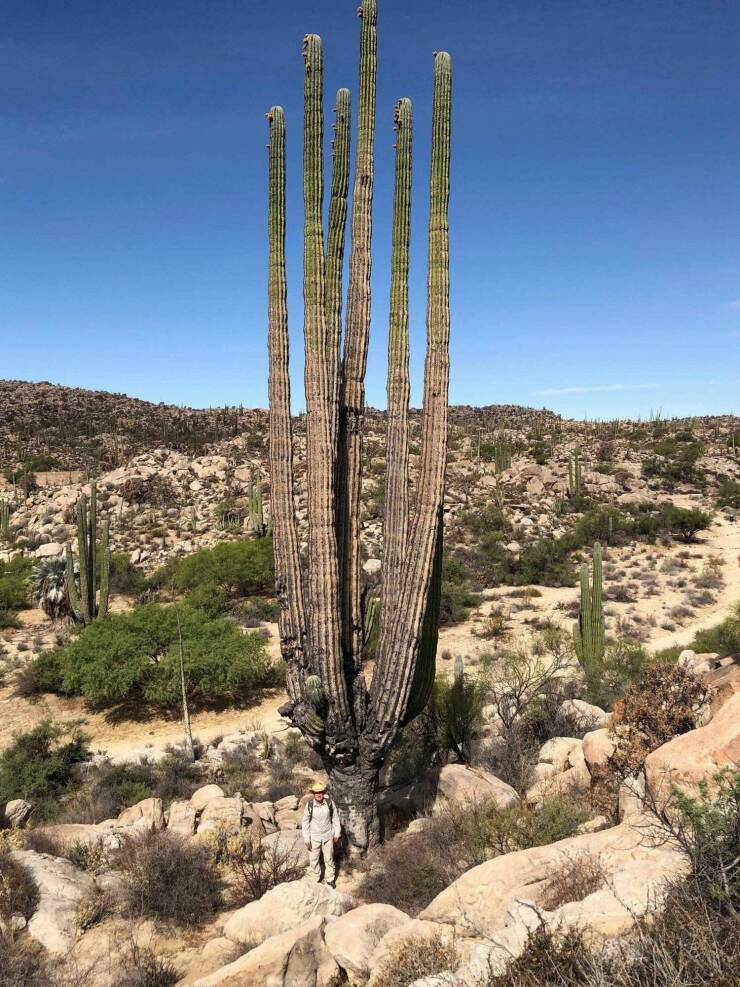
321	831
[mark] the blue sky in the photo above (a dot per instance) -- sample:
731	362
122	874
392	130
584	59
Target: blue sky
594	217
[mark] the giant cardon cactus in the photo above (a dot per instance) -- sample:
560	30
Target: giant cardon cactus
352	721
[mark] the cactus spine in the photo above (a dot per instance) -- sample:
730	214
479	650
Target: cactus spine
588	632
88	603
325	619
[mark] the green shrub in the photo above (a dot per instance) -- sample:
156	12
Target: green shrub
673	462
168	878
728	494
134	657
14	583
456	710
457	596
125	577
39	764
722	639
684	522
240	568
258	610
544	563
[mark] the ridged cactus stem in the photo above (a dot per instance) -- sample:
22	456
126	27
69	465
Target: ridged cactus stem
392	681
256	506
335	241
4	520
323	581
83	559
84	602
92	547
354	358
396	521
589	632
288	582
104	572
72	593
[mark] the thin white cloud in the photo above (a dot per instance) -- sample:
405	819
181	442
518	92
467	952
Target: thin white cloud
597	389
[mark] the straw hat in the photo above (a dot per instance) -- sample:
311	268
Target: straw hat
318	786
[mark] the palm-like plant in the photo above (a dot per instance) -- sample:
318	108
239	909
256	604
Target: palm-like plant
48	582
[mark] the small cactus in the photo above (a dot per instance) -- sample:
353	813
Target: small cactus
4	520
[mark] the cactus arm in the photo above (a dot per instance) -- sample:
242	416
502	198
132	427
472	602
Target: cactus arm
92	539
426	663
396	520
72	594
335	246
354	358
394	673
104	572
83	559
323	580
288	582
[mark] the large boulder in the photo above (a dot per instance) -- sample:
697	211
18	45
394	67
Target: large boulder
284	907
289	844
414	929
635	868
200	799
297	957
222	813
598	747
562	770
585	715
181	818
147	815
697	755
61	889
460	783
354	937
16	813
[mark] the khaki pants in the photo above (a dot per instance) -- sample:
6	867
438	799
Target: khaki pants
325	850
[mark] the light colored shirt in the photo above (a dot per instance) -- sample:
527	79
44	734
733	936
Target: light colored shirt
318	825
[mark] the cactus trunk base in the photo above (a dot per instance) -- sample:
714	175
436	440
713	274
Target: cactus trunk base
354	791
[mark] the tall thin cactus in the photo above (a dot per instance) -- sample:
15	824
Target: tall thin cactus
575	479
326	619
90	601
588	632
4	520
255	506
